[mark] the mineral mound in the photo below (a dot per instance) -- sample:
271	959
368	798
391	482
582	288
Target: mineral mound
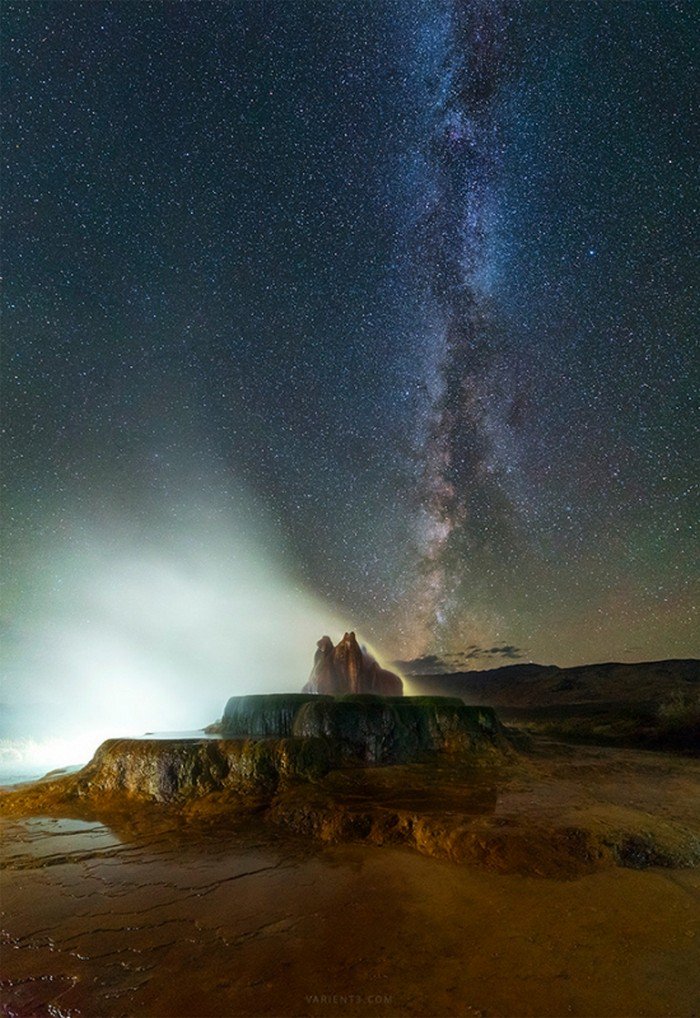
349	668
429	772
178	770
267	742
367	729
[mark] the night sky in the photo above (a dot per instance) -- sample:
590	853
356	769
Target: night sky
400	292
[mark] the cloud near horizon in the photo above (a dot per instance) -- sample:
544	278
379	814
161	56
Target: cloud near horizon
461	660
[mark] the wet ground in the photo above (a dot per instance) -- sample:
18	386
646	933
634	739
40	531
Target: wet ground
142	914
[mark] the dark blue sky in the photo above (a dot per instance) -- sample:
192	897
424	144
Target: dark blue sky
416	276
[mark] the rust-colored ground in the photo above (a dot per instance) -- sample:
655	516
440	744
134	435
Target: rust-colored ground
137	914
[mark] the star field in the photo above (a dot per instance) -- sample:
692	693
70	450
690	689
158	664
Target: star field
416	277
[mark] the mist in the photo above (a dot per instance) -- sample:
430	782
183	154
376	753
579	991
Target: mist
122	628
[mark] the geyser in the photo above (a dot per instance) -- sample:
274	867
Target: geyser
349	668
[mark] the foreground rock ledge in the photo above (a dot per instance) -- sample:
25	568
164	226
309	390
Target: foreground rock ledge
429	773
270	741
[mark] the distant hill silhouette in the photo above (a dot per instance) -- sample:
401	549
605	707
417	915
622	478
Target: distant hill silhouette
651	703
533	685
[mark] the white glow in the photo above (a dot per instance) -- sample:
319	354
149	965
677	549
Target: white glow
24	759
123	634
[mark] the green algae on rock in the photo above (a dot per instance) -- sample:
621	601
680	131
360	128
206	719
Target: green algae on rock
381	730
368	729
263	714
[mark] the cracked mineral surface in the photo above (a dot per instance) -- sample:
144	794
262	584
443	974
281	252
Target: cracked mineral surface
137	908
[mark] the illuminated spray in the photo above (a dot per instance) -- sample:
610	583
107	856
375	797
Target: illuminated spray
122	635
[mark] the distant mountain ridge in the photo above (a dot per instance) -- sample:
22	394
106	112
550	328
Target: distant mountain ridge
534	685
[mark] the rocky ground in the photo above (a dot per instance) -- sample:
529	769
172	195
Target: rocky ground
557	812
558	883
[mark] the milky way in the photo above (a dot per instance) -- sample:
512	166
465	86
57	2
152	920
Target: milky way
410	281
454	241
